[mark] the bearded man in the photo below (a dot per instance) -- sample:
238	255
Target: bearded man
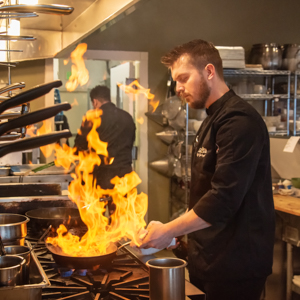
231	219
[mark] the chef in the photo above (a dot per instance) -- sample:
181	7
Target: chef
117	129
231	220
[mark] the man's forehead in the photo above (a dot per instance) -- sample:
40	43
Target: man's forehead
182	64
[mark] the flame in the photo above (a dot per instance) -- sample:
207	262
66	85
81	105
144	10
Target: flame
140	120
135	88
45	128
66	61
79	73
75	103
131	207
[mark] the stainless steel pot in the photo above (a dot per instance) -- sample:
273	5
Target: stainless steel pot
13	228
170	272
11	270
24	252
268	55
291	57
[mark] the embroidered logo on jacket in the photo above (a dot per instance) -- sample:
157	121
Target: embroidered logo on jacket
201	152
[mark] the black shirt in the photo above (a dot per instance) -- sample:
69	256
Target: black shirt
231	188
118	130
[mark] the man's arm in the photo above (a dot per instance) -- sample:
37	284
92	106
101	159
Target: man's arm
160	235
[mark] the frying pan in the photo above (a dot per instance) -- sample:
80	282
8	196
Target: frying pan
29	95
34	117
34	142
42	218
81	262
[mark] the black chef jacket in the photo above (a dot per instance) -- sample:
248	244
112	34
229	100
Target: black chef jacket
231	188
118	130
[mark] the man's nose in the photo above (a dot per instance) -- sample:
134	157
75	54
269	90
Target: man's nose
179	88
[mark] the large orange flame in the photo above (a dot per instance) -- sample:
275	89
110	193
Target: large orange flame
131	207
80	74
135	88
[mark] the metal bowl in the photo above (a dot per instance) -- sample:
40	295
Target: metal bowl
13	228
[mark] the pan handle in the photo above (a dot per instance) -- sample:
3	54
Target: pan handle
124	245
29	95
34	117
34	142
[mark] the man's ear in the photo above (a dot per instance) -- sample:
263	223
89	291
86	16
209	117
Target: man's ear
210	70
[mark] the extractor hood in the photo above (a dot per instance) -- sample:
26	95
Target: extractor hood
54	33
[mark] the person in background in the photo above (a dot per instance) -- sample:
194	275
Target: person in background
231	219
117	129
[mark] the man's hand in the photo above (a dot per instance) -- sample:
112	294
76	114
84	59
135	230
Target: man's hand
157	236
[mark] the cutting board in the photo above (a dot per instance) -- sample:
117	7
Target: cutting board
287	204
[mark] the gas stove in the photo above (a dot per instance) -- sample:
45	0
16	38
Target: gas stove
125	278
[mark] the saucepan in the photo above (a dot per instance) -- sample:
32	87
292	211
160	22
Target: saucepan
11	268
83	262
13	228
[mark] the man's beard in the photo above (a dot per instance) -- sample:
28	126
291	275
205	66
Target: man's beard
202	96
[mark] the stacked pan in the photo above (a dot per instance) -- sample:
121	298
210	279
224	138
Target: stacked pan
30	118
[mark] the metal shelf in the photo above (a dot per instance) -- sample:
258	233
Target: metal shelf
249	72
263	96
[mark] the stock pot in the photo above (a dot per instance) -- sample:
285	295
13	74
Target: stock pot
11	270
13	229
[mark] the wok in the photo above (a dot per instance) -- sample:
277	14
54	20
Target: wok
42	218
81	262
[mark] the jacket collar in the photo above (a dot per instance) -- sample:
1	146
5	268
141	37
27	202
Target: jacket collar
219	103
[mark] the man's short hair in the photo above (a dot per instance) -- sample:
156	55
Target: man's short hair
200	53
101	93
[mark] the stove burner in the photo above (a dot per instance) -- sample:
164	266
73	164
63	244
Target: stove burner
81	272
65	272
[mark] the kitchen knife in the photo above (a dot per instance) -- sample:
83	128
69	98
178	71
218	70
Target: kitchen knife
34	117
29	95
34	142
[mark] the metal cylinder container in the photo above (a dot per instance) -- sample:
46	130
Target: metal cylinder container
24	252
13	228
11	270
167	278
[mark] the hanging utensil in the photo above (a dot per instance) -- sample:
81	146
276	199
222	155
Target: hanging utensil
34	142
34	117
55	9
29	95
